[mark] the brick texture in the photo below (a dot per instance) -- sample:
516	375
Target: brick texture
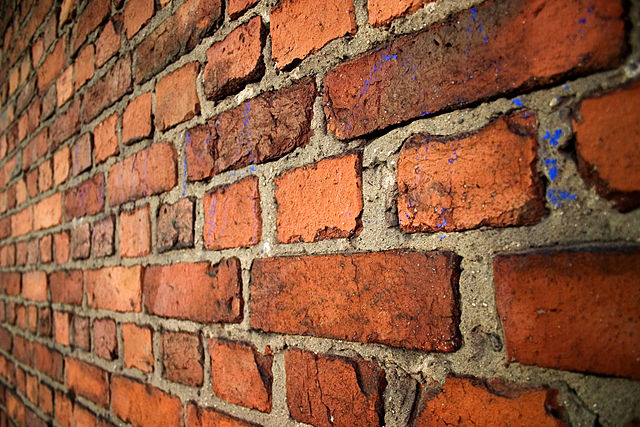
105	340
138	348
182	358
85	199
143	405
135	233
87	380
105	138
114	288
113	85
175	226
136	121
171	110
382	12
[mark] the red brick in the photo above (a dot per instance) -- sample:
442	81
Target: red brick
52	65
175	226
88	381
241	375
199	417
235	61
21	256
108	43
37	50
450	64
64	86
46	255
85	65
65	125
135	233
136	121
381	12
66	10
301	27
45	322
21	317
237	7
45	176
105	340
61	165
85	199
233	216
471	401
62	327
80	241
114	288
105	138
171	109
10	283
49	101
32	183
95	12
61	241
22	222
48	361
81	333
5	227
177	35
6	340
102	238
571	310
83	417
136	14
15	408
182	358
608	145
48	212
500	160
197	292
401	299
45	398
326	390
248	133
149	171
138	347
111	87
81	159
35	150
21	192
320	201
34	285
144	405
66	286
64	410
32	318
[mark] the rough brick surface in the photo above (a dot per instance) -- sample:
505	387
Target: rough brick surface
171	109
109	42
95	12
62	248
235	61
447	66
136	14
144	405
237	7
175	225
138	347
105	138
61	165
240	374
34	285
320	201
48	212
102	238
111	87
64	86
198	292
136	121
85	65
22	222
471	401
571	310
199	417
52	65
87	380
248	135
301	27
232	215
81	333
114	288
80	242
177	35
382	12
135	233
66	286
402	299
325	390
105	340
62	327
65	125
457	183
85	199
150	171
608	145
182	358
81	155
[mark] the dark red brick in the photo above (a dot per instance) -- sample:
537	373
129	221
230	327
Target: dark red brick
65	125
66	286
81	333
105	340
85	199
182	358
108	44
136	14
102	238
95	12
80	241
175	226
111	87
52	65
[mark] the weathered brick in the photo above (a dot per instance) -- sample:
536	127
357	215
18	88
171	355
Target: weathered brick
62	248
240	374
15	408
10	283
49	101
182	358
237	7
200	417
381	12
147	172
61	165
171	109
320	201
45	398
81	333
402	299
32	318
325	390
81	159
95	12
485	179
235	61
32	388
177	35
85	65
144	405
83	417
105	138
45	322
21	192
64	410
136	14
64	86
108	44
6	340
472	401
608	145
466	59
571	310
232	215
301	27
5	227
88	381
48	212
138	347
45	177
111	87
32	183
62	327
135	233
80	241
198	292
114	288
102	238
248	134
52	65
105	340
66	286
85	199
65	125
34	285
136	120
46	243
34	150
46	360
66	10
175	225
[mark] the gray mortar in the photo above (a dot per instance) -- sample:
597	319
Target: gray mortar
588	221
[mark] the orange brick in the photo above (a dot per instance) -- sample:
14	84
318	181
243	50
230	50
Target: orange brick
62	321
34	285
170	109
61	165
138	347
136	121
144	405
136	14
48	212
87	380
85	65
105	138
114	288
64	86
135	233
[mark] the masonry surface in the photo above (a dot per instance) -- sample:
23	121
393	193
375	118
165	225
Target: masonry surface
327	213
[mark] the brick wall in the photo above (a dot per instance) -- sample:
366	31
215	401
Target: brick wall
299	212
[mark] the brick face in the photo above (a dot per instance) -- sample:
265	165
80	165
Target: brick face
175	225
138	347
85	199
183	358
113	85
143	405
114	288
87	380
136	121
171	110
135	233
382	12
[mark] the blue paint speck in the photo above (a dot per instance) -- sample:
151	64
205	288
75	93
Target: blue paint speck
590	10
559	197
553	139
442	237
566	87
443	223
453	159
582	20
387	58
474	14
517	102
253	168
